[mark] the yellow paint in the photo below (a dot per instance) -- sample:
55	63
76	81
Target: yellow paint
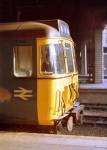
53	91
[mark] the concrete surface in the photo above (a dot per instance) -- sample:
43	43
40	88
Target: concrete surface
94	85
34	141
93	93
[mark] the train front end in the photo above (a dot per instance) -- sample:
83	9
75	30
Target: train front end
57	83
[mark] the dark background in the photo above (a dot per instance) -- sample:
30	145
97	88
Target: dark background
83	16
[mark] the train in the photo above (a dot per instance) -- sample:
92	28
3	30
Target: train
38	75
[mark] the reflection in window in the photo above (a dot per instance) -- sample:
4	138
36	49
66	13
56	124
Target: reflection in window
60	59
45	59
69	57
52	59
22	61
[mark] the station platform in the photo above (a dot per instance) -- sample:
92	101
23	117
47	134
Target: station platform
94	85
34	141
93	93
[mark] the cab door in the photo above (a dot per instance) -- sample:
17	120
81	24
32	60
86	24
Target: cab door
20	81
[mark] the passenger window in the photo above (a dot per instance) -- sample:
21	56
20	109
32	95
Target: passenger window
22	61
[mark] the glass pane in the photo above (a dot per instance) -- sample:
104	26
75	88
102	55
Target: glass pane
52	59
61	69
69	57
23	61
45	59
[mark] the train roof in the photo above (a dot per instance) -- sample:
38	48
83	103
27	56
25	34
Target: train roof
41	28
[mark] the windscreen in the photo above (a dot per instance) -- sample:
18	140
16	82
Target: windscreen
69	57
56	59
52	59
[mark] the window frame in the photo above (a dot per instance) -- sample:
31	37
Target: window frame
67	58
23	44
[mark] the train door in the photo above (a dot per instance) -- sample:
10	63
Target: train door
18	82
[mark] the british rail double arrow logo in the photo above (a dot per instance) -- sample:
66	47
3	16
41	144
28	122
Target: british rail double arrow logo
23	93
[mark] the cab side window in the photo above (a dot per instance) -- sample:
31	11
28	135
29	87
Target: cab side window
22	61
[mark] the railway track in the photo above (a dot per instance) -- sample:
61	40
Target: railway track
95	114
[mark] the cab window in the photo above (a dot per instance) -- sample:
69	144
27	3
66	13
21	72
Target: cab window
69	57
22	61
52	59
